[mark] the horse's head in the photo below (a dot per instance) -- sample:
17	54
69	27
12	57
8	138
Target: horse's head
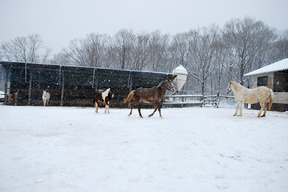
167	85
109	97
171	87
228	90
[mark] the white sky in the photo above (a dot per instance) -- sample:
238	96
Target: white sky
60	21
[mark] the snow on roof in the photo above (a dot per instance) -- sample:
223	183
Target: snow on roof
180	70
278	66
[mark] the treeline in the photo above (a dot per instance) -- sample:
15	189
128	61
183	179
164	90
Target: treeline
211	55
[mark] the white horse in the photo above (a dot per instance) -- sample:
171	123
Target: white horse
45	97
251	96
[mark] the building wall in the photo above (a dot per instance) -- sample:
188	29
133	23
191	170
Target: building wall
72	86
276	81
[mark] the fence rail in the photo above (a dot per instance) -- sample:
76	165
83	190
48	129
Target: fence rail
182	100
193	100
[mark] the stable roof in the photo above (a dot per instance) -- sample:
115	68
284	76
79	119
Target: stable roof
56	66
278	66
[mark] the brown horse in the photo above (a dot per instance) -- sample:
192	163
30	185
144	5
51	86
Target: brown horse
150	95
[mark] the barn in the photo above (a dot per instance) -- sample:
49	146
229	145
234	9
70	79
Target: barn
274	76
70	85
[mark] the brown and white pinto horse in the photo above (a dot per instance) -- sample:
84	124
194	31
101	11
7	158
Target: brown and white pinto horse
103	97
150	95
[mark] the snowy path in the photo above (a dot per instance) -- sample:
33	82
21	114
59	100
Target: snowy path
73	149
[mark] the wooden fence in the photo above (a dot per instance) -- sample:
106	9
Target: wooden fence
193	100
182	100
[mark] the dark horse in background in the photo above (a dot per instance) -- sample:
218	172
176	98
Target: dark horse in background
103	97
150	95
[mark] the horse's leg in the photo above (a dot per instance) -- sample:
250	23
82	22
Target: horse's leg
135	101
139	109
264	114
96	106
262	107
240	109
159	109
107	108
236	109
155	109
131	110
266	105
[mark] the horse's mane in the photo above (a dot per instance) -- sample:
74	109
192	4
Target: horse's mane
106	91
161	84
236	85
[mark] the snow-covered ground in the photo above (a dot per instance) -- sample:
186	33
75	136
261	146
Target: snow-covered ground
70	149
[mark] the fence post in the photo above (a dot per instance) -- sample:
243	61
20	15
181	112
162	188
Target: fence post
218	99
62	91
201	100
29	90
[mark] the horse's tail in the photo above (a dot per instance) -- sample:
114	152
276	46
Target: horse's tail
129	97
271	99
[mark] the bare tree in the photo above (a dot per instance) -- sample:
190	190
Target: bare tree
60	59
87	52
202	47
158	46
1	55
280	47
124	41
141	52
25	49
221	53
179	50
248	41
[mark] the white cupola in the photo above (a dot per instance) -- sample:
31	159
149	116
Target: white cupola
180	80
